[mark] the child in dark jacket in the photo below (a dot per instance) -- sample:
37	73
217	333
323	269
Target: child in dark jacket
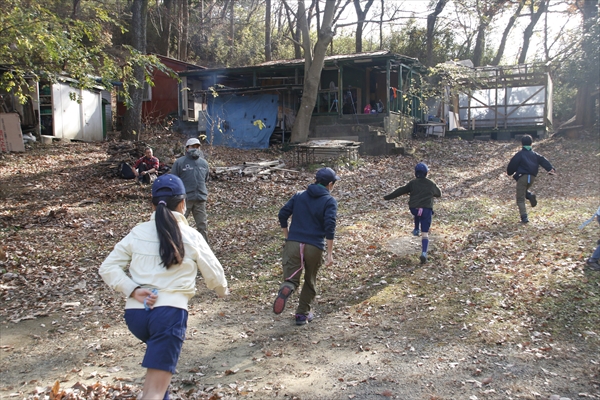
422	191
594	261
524	167
314	214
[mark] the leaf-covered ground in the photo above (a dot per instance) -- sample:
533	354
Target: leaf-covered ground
501	311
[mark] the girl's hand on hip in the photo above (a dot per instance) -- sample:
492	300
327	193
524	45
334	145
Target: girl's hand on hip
145	296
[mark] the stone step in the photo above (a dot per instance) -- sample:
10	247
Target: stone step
341	130
361	119
373	139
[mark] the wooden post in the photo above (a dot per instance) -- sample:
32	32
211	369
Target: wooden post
388	83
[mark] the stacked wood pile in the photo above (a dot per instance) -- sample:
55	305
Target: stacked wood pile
261	169
118	152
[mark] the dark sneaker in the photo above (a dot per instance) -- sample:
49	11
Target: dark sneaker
282	297
302	319
416	232
423	257
524	218
533	200
593	264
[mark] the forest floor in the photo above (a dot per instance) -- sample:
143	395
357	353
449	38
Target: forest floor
502	310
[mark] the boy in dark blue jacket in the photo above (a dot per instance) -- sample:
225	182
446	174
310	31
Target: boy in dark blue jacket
314	213
524	167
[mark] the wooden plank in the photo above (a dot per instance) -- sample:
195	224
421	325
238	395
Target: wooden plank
263	163
349	138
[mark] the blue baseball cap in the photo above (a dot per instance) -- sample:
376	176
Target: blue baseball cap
421	170
422	167
167	186
326	175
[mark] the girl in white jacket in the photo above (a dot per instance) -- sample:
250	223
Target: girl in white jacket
164	256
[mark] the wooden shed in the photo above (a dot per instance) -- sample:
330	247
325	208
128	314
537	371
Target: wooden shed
161	101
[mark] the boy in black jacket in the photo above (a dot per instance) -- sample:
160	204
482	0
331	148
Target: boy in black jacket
422	191
524	167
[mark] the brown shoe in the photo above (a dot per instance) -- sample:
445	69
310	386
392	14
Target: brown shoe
282	297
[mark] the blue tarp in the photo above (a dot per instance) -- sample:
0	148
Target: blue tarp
243	122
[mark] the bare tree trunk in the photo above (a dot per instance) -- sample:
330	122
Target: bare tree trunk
486	12
76	6
509	26
167	25
479	44
584	108
202	20
180	43
231	25
304	27
535	17
381	25
431	19
297	47
185	29
295	29
361	15
313	69
132	120
268	30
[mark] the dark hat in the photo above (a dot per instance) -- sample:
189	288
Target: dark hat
526	140
421	170
326	175
421	167
167	186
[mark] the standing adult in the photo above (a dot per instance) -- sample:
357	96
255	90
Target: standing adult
163	256
524	167
193	171
314	212
145	168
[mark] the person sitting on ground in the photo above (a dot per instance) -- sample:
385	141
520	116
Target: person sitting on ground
145	169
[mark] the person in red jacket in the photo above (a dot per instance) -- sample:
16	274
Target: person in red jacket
145	169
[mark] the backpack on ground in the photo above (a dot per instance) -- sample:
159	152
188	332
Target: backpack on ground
125	171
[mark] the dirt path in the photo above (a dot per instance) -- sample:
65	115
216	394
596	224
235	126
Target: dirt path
502	311
340	355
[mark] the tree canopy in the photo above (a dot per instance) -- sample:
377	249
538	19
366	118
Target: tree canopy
91	41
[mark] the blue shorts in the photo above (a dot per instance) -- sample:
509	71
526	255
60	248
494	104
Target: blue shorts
163	331
424	219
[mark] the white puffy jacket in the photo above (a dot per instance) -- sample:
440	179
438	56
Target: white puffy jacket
140	251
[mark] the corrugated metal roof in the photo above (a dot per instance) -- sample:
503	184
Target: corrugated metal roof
329	60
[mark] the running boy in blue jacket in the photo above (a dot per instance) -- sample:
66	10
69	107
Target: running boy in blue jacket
314	212
524	167
422	191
